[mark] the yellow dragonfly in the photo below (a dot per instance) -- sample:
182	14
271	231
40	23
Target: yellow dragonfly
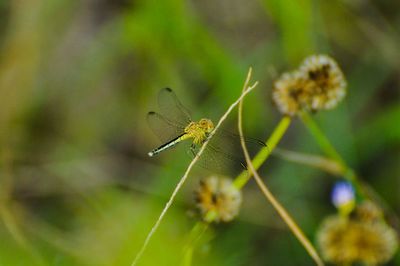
174	125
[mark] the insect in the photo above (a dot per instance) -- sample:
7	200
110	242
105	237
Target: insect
174	125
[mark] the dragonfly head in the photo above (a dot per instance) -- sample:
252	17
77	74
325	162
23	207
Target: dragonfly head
206	124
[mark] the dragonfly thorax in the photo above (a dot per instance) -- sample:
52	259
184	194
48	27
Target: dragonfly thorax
199	130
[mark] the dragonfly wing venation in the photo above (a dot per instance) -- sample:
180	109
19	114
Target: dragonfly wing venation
223	153
228	158
170	106
235	138
164	128
217	159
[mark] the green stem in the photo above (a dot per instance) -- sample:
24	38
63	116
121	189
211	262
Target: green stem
265	152
195	234
329	150
243	177
320	137
330	166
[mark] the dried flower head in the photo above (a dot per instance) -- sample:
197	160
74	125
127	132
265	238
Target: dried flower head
289	93
346	241
343	197
326	82
218	197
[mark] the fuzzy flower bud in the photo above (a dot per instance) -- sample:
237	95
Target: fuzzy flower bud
319	84
289	93
326	82
218	198
345	241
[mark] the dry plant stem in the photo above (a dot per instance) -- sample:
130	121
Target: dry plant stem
265	152
259	159
328	165
362	188
319	162
186	174
271	198
332	167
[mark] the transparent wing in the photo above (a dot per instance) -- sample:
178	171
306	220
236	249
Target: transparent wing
164	128
252	144
217	161
224	154
171	107
227	157
229	143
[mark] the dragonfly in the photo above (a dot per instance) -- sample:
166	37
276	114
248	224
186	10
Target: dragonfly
174	125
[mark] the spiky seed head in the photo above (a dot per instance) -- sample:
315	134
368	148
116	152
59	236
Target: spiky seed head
326	82
345	241
290	94
218	195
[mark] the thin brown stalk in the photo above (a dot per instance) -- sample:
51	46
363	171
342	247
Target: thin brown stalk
316	161
333	167
186	174
271	198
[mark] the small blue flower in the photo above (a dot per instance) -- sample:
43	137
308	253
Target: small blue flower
343	197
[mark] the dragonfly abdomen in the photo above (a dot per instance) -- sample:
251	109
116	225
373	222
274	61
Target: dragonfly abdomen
168	145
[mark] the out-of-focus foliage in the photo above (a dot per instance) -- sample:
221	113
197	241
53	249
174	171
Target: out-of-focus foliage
78	77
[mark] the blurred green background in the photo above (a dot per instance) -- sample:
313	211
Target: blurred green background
78	77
